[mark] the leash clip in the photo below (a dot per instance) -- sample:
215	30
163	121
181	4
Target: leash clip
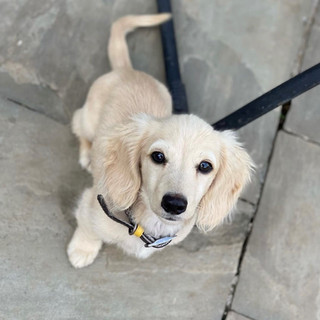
159	243
150	242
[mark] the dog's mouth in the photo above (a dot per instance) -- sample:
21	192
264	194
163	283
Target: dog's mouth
170	218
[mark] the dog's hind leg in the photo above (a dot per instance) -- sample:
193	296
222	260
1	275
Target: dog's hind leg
84	153
86	119
79	128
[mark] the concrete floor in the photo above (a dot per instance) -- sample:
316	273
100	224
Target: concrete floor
262	265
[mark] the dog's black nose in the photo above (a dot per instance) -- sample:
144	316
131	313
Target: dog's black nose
174	203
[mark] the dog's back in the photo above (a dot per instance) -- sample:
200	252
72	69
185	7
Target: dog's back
124	91
116	96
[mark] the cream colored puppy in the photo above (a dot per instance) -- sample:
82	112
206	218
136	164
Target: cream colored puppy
172	171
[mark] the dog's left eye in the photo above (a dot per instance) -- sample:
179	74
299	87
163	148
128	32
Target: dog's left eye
205	167
158	157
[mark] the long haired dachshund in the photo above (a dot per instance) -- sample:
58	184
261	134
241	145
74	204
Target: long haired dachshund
171	171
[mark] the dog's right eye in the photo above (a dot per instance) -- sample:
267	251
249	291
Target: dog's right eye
205	167
158	157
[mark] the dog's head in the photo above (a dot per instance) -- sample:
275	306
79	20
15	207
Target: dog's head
180	167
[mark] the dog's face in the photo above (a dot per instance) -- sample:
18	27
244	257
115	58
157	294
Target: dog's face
179	166
179	161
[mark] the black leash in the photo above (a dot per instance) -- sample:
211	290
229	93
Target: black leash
135	229
176	87
271	100
280	95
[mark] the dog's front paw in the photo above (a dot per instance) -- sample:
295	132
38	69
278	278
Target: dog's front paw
81	250
81	258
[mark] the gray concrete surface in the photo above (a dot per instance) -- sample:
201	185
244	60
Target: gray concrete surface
52	51
279	277
304	117
236	316
280	274
230	52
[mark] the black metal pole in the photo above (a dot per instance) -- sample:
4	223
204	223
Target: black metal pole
176	87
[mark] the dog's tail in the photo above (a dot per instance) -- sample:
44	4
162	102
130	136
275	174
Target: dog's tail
118	49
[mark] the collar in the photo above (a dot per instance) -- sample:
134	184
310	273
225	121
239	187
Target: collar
134	228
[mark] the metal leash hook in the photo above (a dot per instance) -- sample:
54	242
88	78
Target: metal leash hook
135	229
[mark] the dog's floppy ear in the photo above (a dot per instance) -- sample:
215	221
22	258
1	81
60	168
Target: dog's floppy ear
233	174
120	160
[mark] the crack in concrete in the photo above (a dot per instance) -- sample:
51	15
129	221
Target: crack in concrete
243	315
233	287
304	138
21	104
248	202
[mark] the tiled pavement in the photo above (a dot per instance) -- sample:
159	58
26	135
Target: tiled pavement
230	52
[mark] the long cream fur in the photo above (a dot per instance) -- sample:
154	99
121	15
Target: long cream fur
126	117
